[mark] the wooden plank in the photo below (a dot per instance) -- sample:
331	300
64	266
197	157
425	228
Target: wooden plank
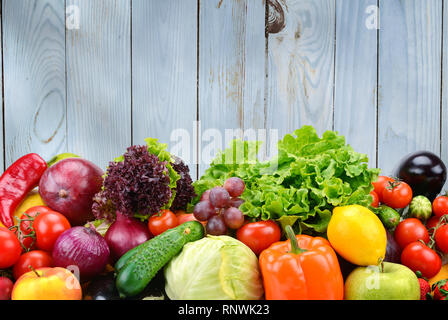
99	80
164	59
2	145
34	78
355	98
301	66
444	106
231	72
409	79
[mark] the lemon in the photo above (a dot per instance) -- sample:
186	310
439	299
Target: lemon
358	235
33	199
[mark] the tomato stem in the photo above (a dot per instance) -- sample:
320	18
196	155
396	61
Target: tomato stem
34	270
292	238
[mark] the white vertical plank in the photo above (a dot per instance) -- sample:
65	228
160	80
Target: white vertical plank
231	70
301	67
2	146
34	78
355	98
444	106
99	80
164	59
409	79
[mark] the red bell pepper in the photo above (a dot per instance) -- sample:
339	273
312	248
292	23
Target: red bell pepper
16	182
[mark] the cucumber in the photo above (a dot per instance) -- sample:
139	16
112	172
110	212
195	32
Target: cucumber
420	208
137	267
389	217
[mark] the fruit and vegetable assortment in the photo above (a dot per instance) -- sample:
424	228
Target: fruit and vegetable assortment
312	223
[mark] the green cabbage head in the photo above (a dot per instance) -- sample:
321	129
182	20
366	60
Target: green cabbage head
214	268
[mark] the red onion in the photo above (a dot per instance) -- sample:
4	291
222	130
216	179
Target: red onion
84	248
125	234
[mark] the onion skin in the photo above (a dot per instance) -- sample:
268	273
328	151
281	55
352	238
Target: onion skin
125	234
82	247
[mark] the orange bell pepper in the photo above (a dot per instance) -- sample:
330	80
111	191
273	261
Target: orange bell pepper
305	268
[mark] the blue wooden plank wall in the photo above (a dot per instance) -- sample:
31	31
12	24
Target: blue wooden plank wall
93	77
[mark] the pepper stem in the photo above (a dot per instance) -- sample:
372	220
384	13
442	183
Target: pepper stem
292	238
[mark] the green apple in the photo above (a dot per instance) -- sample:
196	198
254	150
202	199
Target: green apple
60	157
390	281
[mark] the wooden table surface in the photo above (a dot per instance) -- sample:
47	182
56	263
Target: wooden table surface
95	76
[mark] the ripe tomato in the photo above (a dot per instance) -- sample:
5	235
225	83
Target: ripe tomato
397	195
441	238
440	206
27	226
162	221
10	248
432	223
6	286
183	217
48	227
36	259
376	199
380	184
259	235
410	230
419	257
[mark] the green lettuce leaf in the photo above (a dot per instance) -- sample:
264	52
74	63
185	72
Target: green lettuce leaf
302	184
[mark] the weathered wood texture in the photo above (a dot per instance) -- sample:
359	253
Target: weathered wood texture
409	79
444	107
164	73
34	78
139	68
231	71
301	66
355	101
99	80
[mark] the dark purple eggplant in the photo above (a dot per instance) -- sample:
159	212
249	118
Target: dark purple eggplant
393	250
425	173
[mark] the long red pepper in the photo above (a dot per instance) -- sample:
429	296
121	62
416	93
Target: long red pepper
16	182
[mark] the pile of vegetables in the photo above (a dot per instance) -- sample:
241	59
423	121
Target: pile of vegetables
159	235
301	185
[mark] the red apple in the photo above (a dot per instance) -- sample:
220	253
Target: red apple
69	186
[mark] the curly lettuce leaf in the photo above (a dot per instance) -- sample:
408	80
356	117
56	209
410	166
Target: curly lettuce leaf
302	184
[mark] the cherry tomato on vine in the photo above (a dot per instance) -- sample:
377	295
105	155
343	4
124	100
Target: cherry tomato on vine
26	225
441	238
162	221
433	222
6	286
376	199
419	257
259	235
36	259
397	195
440	206
410	230
10	248
48	227
380	184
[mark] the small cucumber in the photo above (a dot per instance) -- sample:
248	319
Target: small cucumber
137	267
420	208
389	217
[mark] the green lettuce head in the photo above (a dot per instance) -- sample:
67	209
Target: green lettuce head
214	268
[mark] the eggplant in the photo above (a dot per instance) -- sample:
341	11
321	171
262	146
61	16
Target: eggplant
393	250
425	173
102	288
